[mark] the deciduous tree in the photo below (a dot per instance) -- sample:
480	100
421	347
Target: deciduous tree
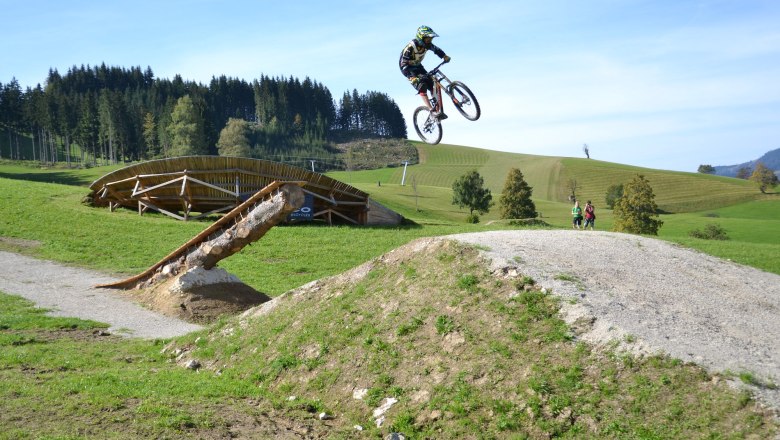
572	186
234	139
614	193
469	191
764	177
706	169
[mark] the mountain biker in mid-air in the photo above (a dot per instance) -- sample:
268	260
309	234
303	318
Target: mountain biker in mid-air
411	62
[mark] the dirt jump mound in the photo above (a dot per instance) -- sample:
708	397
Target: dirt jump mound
201	296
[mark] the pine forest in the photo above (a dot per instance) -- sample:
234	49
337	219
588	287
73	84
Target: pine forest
106	115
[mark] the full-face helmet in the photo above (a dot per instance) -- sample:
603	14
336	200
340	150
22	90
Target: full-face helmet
424	32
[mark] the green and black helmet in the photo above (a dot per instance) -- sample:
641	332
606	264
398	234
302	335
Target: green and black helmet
424	32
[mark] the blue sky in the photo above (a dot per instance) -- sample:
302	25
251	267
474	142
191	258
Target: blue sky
661	84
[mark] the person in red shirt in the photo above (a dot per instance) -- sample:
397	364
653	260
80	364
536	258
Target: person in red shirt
590	216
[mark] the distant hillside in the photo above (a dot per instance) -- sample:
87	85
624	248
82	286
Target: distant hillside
439	166
771	160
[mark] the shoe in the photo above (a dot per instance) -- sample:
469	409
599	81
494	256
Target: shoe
441	115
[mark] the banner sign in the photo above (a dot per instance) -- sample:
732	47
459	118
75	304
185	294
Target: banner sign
306	212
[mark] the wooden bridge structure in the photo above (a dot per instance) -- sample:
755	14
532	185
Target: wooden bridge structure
192	187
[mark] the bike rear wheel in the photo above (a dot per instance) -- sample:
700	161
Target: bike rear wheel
427	126
464	101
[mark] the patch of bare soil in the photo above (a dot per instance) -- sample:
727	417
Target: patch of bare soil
13	244
201	304
50	335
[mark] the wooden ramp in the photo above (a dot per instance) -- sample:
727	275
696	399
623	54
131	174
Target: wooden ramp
215	229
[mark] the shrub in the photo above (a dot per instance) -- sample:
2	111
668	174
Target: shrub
712	231
528	222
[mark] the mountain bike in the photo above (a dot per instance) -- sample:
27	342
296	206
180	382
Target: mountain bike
427	121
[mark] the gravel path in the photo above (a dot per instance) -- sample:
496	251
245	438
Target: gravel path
659	296
68	292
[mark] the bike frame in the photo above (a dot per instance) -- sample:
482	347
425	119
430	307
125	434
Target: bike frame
427	118
437	76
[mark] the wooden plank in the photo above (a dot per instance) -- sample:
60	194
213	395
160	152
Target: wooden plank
156	208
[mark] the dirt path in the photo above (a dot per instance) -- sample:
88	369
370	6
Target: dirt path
68	292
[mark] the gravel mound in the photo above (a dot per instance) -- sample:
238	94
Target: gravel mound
69	292
651	296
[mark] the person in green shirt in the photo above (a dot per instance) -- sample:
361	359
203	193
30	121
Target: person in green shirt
576	213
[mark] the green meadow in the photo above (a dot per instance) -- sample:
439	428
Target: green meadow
688	201
43	205
276	375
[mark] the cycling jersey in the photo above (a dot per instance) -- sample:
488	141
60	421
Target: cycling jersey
413	54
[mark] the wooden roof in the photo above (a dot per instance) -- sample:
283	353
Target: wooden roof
182	186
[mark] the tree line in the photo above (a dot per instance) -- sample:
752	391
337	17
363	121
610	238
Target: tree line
113	114
762	175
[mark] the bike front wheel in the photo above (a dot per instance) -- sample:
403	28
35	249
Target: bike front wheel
427	126
464	101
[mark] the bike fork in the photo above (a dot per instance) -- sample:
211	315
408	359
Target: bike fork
436	104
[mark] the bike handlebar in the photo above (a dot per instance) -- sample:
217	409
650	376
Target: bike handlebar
436	69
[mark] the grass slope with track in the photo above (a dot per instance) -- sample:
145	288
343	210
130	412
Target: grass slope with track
466	353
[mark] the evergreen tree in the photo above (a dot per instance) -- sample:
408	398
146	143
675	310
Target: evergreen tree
186	129
234	139
11	113
150	136
516	200
764	177
635	210
88	126
107	116
469	191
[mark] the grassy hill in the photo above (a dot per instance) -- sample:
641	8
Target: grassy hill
440	165
691	200
467	354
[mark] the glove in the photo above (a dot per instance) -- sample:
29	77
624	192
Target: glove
447	59
414	80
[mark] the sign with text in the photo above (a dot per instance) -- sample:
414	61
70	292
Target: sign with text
305	212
